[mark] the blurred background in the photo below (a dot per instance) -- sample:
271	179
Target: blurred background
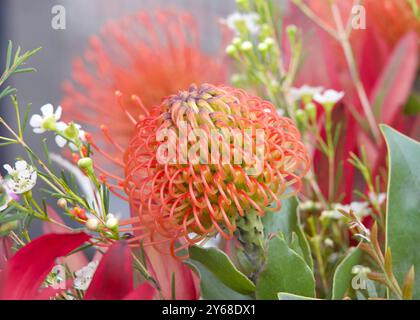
28	24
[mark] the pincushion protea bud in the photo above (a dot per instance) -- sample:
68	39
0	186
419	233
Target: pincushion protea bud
225	154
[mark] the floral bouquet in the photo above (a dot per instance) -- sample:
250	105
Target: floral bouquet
281	167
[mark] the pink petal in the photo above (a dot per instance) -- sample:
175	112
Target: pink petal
163	266
28	268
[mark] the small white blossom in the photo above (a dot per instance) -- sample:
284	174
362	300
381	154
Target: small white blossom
378	199
305	92
329	97
61	141
84	276
328	242
21	178
360	209
249	20
46	121
6	195
331	214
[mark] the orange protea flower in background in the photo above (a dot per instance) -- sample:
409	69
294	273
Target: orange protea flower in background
144	56
203	191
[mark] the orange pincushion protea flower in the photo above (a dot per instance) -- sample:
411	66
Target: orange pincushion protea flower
145	55
189	199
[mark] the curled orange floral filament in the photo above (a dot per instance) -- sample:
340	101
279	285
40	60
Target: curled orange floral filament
194	195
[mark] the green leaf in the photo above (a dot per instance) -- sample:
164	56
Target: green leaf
287	221
289	296
219	265
412	107
343	275
211	287
403	205
285	271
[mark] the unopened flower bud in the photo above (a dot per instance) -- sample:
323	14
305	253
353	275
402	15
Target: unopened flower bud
291	32
269	41
112	222
242	3
262	47
62	203
230	50
92	224
85	164
300	116
310	109
246	46
236	41
71	132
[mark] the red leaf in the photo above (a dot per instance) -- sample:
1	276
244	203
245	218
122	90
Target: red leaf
143	292
113	279
396	81
28	268
75	261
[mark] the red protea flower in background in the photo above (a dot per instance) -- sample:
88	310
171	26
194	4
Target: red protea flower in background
144	56
209	193
394	18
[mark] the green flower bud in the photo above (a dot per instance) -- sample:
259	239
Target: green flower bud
291	32
310	109
244	4
266	31
247	46
231	50
262	47
237	41
85	164
71	131
269	41
300	116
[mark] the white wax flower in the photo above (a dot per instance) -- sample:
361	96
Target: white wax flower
249	20
84	276
47	120
329	97
21	178
304	92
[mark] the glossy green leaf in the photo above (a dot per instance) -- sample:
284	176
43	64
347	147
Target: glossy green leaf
219	264
287	221
403	206
285	271
211	287
343	275
289	296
